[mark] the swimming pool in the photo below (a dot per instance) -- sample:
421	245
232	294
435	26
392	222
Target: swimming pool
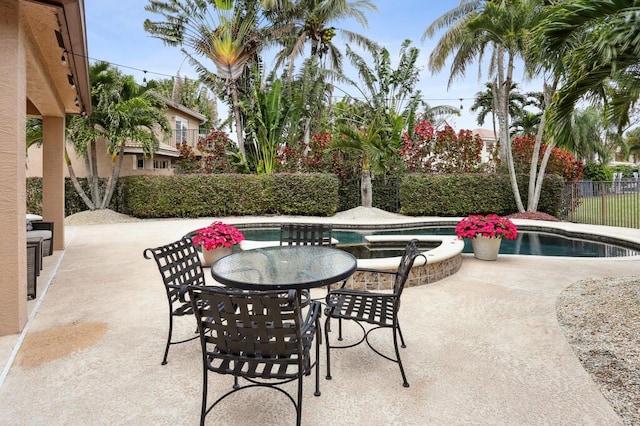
528	242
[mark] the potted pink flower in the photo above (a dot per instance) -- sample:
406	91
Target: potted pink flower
486	233
217	240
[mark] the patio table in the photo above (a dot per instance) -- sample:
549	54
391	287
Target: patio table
284	268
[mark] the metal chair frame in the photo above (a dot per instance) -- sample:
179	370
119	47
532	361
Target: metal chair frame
259	336
179	266
377	309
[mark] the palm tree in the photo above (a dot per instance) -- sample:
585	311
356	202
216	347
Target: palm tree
376	143
605	52
484	103
228	35
122	112
475	27
310	22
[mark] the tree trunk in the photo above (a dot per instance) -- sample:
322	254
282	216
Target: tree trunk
94	177
113	179
76	184
366	192
536	174
237	118
501	89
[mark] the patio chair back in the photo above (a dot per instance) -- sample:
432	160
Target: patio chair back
308	234
179	266
255	335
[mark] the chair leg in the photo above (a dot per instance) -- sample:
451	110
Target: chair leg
401	338
299	405
327	348
166	349
205	382
395	345
340	329
318	338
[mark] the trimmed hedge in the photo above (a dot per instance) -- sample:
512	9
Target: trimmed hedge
460	195
230	195
305	194
301	194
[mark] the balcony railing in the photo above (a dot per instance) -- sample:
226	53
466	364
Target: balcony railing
190	136
614	203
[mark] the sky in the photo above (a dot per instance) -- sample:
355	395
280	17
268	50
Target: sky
115	34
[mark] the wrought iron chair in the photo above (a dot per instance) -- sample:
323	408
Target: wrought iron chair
256	335
306	234
377	309
180	267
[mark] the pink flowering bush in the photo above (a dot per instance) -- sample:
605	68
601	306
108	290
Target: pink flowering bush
217	235
488	226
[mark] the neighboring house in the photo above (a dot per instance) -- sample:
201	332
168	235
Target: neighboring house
490	139
185	125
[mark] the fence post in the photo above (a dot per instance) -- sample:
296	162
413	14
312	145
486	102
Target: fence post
604	203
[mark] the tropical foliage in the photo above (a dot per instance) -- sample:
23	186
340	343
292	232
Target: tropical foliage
121	112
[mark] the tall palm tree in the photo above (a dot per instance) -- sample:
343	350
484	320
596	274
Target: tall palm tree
122	112
500	28
311	23
224	31
484	103
605	50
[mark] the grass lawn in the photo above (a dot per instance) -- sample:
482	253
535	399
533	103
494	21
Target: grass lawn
618	210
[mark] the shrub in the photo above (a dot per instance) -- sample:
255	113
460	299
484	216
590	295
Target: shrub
597	172
561	162
461	195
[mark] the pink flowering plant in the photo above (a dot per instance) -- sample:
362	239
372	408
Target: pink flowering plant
217	235
492	226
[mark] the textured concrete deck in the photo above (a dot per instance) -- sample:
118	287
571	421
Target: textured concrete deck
484	347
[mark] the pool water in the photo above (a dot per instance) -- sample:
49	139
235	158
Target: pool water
531	243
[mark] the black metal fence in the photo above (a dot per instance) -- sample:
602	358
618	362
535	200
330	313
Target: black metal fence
615	203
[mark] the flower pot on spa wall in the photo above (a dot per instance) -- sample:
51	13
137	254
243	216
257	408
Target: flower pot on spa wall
210	257
486	248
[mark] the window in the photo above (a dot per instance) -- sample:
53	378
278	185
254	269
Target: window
161	164
182	126
139	162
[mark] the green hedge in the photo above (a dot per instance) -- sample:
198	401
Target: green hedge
460	195
385	194
230	195
305	194
301	194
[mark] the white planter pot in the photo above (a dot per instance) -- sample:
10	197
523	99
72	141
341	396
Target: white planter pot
209	257
486	248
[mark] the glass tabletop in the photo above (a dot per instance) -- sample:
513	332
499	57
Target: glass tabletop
284	267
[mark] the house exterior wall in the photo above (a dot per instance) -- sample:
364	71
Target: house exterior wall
13	86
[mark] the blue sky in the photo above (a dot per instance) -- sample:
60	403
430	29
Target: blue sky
115	34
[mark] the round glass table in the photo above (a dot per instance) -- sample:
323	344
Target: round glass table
284	268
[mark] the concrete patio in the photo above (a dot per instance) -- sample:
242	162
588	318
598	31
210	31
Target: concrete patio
484	347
